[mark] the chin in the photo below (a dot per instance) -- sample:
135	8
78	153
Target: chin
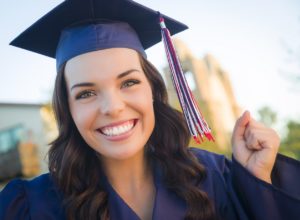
121	154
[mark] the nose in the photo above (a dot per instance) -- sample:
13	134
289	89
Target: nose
112	104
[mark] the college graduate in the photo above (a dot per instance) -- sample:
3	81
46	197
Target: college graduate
122	152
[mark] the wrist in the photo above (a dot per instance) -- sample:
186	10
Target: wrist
265	178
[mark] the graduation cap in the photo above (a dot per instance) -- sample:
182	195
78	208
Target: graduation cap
75	27
111	17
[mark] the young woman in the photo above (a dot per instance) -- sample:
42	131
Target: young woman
122	151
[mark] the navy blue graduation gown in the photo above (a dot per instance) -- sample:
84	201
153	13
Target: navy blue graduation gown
235	192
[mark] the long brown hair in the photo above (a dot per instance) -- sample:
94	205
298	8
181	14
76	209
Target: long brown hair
70	158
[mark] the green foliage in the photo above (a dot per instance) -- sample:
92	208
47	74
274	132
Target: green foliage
290	145
267	116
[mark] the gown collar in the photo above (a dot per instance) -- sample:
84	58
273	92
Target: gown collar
167	205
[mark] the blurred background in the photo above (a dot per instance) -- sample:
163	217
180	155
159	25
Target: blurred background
237	55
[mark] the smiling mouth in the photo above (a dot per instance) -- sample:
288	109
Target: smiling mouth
119	129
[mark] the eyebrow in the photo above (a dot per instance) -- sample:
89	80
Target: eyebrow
121	75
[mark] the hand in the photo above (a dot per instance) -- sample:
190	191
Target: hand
255	146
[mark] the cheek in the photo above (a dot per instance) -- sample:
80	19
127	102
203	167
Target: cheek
146	107
150	119
83	116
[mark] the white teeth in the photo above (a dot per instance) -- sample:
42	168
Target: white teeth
118	130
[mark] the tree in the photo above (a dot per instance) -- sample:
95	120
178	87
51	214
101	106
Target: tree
290	145
267	116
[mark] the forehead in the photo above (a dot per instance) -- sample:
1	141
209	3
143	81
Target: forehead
102	63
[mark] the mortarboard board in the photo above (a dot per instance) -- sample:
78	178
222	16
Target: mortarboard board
43	36
79	26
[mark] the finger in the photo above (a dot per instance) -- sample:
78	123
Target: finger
252	128
264	136
253	142
241	124
254	125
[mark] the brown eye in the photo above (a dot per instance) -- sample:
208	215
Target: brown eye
85	94
129	83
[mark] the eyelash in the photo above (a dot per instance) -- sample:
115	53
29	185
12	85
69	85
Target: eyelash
132	82
85	94
88	93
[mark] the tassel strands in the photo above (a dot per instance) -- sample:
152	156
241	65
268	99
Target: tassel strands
194	118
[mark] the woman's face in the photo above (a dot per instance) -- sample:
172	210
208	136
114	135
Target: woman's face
110	100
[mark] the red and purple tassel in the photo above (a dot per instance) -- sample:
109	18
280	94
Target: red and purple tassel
194	118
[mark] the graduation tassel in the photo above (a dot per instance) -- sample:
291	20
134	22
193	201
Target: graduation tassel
197	125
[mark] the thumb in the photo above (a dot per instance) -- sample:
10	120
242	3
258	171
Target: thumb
240	125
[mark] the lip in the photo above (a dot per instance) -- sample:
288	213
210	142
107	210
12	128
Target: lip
119	137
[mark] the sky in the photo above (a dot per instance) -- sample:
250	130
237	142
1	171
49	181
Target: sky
254	41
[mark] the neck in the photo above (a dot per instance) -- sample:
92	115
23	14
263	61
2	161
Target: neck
132	180
128	175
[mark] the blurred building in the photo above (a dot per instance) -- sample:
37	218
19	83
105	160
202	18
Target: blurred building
212	89
23	140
